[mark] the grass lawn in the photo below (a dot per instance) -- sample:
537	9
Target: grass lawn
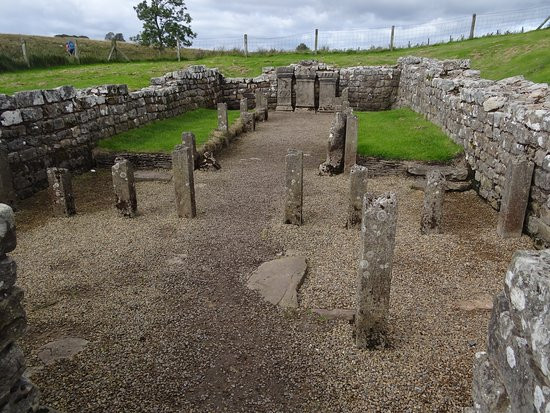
163	135
403	134
497	57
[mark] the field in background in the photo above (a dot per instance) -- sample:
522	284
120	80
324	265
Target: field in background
497	57
405	135
163	135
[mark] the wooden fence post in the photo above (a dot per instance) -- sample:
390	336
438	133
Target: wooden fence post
392	37
316	39
473	26
24	49
543	23
246	45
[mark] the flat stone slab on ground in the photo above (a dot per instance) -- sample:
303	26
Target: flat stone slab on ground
152	175
278	281
336	313
476	303
65	348
458	186
452	173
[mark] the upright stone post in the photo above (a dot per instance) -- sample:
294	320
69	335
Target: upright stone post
248	121
434	195
327	90
17	393
7	193
261	105
345	99
294	187
184	182
515	198
350	151
125	187
285	80
188	139
358	190
244	105
61	192
223	123
375	270
334	163
305	88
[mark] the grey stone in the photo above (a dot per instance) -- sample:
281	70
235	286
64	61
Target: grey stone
375	270
450	186
335	314
11	118
29	98
8	239
514	201
278	281
327	91
8	274
336	143
188	139
223	123
305	88
63	349
294	187
152	176
285	80
358	189
184	183
489	394
24	398
494	103
12	317
456	173
481	302
243	105
124	187
248	121
7	193
61	192
350	151
12	366
432	211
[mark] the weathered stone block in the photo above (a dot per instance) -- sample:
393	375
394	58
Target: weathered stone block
223	123
188	139
375	270
294	187
7	193
12	317
124	187
285	82
184	183
243	105
358	190
12	366
519	175
336	143
248	121
327	90
8	274
61	192
432	211
8	240
350	151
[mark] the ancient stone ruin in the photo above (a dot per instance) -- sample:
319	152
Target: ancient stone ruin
183	166
294	187
125	188
358	179
61	192
434	195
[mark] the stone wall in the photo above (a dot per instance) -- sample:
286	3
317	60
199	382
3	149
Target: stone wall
495	122
234	89
370	87
60	127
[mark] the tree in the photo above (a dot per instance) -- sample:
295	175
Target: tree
164	23
109	36
302	47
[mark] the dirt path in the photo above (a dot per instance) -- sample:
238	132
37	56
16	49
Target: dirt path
172	327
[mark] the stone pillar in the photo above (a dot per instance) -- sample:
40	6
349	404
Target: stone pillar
345	99
327	90
285	80
244	105
515	197
223	122
61	192
248	121
375	270
188	139
7	193
434	194
17	394
294	187
358	190
305	88
125	187
261	99
336	143
350	151
184	182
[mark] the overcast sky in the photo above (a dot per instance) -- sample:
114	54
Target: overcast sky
217	18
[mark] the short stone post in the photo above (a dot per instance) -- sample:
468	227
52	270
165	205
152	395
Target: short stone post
125	187
17	393
223	123
61	192
244	105
285	77
294	187
515	197
305	88
184	181
248	121
375	270
188	139
327	90
350	151
434	195
345	99
7	193
358	190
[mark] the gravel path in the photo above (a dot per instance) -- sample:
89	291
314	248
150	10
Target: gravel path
172	327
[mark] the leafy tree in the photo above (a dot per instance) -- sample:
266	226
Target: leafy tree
302	47
164	23
109	36
119	37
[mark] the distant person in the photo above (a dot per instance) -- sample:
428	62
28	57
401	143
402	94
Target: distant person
70	47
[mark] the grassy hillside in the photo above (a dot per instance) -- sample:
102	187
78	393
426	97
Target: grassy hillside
497	57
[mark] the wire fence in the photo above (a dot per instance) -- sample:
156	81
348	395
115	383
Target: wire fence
399	36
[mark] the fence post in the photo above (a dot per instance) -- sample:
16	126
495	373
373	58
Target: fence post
24	49
473	26
316	39
392	36
246	45
543	23
178	49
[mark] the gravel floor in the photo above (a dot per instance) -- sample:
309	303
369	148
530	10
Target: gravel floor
172	328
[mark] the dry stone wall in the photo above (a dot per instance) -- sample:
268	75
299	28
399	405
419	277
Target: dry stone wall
495	121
